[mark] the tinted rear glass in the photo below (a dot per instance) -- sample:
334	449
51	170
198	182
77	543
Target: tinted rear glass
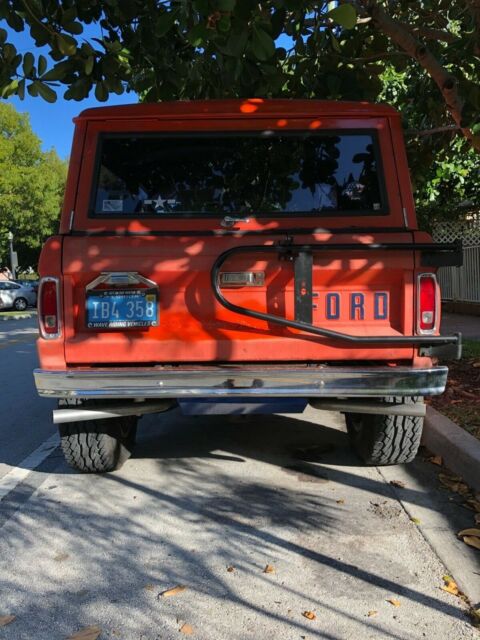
268	173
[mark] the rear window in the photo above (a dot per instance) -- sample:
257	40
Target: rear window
260	174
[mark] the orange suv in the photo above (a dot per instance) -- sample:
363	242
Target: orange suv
240	256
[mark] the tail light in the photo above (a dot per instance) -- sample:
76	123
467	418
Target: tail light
427	303
49	307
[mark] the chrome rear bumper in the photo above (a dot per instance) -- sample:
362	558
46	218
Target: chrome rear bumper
247	381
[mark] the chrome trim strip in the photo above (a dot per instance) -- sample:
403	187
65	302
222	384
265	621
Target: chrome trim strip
238	381
123	278
41	327
438	302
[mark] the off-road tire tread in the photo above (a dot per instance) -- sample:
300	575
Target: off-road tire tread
93	446
386	439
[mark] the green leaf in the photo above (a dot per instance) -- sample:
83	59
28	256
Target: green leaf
263	46
197	35
224	23
42	65
335	44
3	36
66	44
89	62
28	62
201	6
21	89
236	43
15	21
226	5
59	71
164	23
101	92
33	89
40	34
46	92
73	27
10	88
68	15
345	15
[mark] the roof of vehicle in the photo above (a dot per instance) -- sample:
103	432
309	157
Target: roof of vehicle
244	107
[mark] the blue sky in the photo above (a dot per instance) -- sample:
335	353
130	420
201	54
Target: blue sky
53	122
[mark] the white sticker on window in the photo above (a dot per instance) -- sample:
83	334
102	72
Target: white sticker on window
376	206
112	205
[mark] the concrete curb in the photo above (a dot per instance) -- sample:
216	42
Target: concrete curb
23	316
460	450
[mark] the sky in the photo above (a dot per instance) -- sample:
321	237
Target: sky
53	122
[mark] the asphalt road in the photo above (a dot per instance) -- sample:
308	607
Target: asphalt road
208	503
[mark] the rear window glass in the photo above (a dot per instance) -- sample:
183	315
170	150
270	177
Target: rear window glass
267	173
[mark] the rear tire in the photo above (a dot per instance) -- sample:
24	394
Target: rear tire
384	439
98	446
20	304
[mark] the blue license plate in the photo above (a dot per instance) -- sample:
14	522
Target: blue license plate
122	308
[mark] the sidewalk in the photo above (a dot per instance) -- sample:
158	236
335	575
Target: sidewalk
469	326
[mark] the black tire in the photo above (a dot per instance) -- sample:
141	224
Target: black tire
381	440
98	446
20	304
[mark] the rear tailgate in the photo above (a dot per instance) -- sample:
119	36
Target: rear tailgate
358	292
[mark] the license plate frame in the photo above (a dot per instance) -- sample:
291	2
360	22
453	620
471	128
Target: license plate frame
126	308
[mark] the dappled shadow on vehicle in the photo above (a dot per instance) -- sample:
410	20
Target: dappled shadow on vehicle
200	496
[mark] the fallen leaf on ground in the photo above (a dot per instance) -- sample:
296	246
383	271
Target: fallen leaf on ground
4	620
149	587
89	633
269	569
454	483
469	532
230	569
173	591
187	629
475	615
340	501
450	586
309	614
415	520
473	503
438	460
372	613
394	601
398	484
472	541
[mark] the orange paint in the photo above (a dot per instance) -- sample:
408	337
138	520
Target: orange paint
177	253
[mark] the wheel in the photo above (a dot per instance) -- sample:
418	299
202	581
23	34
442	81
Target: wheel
384	439
97	446
20	304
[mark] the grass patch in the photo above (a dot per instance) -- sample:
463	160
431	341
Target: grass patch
22	314
470	349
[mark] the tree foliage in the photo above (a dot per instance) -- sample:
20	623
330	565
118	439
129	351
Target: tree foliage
31	187
236	48
422	56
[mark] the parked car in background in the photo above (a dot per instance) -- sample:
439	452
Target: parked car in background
30	284
14	295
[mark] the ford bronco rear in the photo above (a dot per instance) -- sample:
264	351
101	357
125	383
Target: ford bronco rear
252	256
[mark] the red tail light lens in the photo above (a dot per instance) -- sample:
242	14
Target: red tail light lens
48	308
427	303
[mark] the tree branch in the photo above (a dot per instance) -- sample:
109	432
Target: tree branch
400	34
450	128
433	34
